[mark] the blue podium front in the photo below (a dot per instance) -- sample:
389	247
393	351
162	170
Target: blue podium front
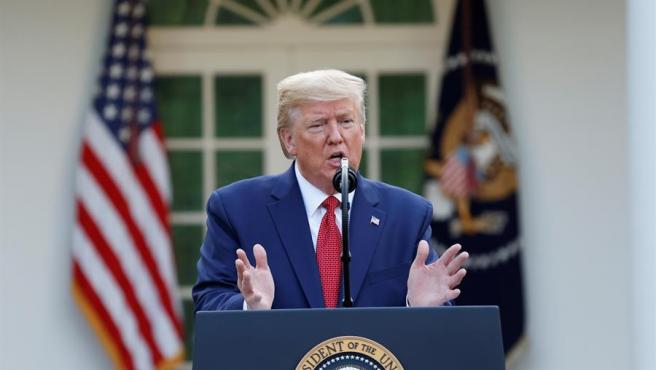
443	338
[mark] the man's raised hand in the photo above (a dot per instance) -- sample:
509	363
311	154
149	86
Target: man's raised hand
255	283
436	283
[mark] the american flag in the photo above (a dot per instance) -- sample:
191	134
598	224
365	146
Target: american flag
123	269
458	177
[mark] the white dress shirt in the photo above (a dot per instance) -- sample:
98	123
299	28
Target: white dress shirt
312	199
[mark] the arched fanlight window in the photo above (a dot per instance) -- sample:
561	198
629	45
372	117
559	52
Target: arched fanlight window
260	12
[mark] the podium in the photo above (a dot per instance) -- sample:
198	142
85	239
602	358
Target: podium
441	338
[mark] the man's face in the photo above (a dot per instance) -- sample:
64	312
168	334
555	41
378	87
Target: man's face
321	134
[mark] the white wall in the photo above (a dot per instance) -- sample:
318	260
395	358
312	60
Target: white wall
563	65
50	54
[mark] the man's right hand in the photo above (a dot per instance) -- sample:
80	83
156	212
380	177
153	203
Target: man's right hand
255	283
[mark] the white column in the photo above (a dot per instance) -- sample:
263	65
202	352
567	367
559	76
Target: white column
642	176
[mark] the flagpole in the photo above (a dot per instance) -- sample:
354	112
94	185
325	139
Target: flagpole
470	93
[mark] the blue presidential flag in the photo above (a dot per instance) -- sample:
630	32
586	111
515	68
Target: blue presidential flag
471	173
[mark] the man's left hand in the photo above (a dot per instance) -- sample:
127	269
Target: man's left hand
436	283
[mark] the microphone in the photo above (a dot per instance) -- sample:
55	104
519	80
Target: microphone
351	178
345	181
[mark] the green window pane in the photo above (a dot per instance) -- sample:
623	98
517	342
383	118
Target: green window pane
252	5
232	166
188	311
323	5
402	102
404	168
176	12
186	243
303	2
238	102
363	164
226	17
352	15
406	11
186	175
179	105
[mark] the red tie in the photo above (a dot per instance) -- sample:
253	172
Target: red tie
329	248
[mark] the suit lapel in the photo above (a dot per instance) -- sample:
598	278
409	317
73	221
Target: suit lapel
365	232
289	216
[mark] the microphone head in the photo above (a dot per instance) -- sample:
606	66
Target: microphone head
351	178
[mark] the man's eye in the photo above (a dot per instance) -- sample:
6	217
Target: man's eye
316	126
347	122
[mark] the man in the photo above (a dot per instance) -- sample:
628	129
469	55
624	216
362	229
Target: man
289	224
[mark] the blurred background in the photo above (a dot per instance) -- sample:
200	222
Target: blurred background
579	86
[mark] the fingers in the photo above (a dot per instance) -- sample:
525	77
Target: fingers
260	257
448	255
452	294
239	265
422	254
247	286
457	262
456	278
241	255
254	283
243	266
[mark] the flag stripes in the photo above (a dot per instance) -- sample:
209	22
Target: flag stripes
100	319
92	163
111	299
111	261
134	269
98	189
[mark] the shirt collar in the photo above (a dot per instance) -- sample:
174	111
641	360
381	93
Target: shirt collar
313	196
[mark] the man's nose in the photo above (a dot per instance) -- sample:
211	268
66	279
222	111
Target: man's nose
333	132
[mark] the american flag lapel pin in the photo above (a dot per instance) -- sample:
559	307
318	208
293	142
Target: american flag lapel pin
374	220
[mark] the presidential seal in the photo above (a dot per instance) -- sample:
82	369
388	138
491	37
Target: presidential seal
349	353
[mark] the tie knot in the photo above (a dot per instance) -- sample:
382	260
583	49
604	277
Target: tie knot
330	203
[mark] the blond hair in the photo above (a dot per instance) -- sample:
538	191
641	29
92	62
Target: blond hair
322	85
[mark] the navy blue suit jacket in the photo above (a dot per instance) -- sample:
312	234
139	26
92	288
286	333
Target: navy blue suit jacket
269	210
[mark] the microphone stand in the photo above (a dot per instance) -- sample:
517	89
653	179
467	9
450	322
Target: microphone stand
346	253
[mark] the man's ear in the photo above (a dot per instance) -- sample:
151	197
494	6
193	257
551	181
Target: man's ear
287	139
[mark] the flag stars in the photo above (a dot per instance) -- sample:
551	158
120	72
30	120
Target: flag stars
132	73
129	94
118	50
121	29
146	75
116	71
146	95
109	112
144	116
137	31
112	91
124	134
126	114
138	10
123	8
133	53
